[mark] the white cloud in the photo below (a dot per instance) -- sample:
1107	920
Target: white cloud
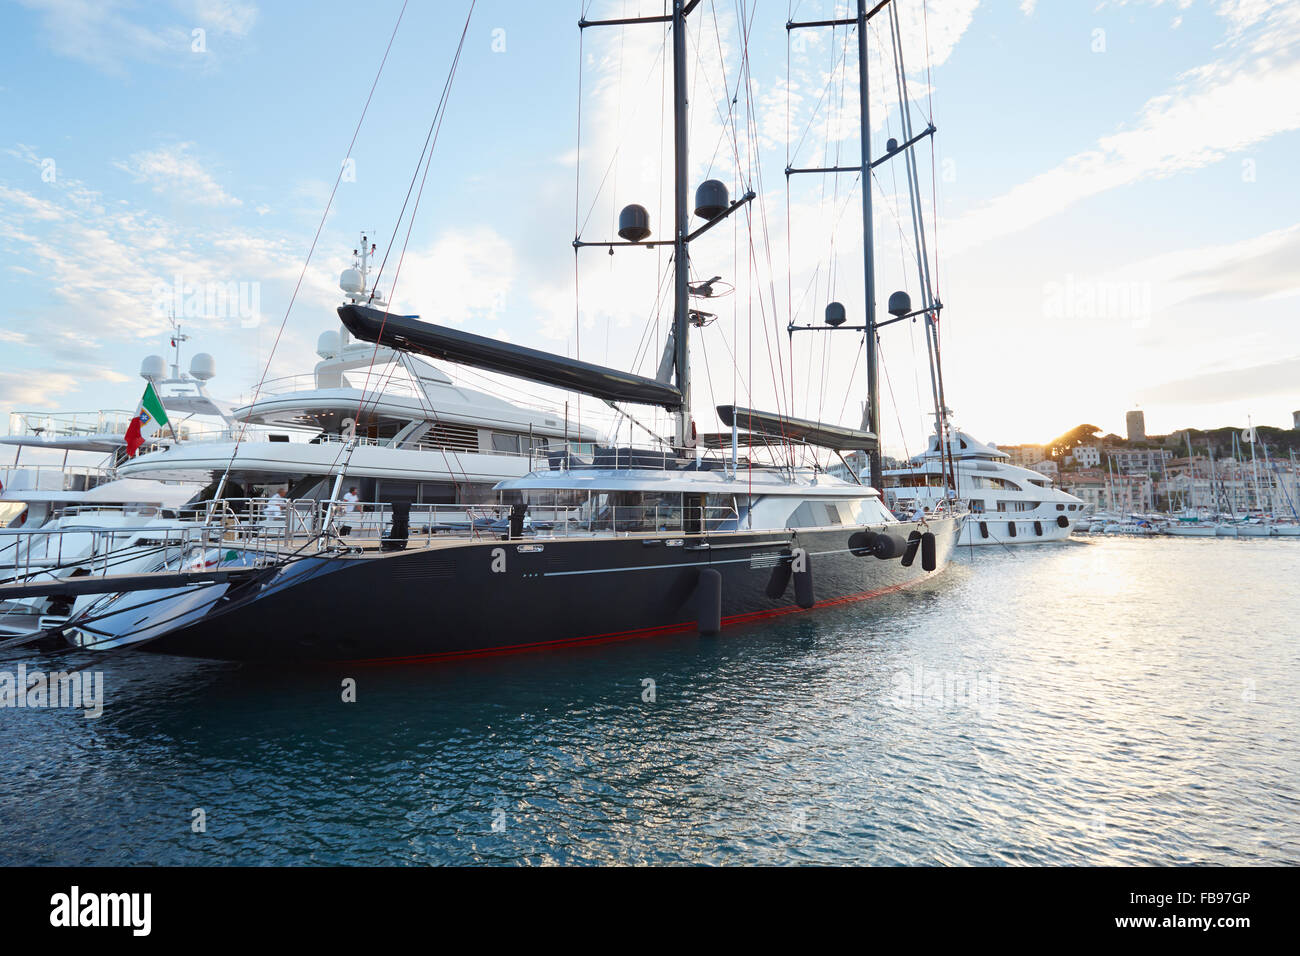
1274	379
108	34
39	389
104	262
174	171
227	17
1220	108
463	277
1254	269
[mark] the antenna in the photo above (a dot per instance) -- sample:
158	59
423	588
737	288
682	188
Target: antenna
177	339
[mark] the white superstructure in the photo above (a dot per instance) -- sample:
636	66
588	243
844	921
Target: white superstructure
389	422
1008	504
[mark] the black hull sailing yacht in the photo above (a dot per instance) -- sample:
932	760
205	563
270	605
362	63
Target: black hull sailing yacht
470	598
601	542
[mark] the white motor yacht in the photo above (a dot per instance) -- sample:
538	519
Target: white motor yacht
1008	504
393	425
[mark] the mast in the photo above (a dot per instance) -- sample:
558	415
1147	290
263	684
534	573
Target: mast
900	305
1214	492
868	256
712	204
1268	479
681	228
1254	468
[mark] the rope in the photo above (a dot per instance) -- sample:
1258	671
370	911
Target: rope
315	239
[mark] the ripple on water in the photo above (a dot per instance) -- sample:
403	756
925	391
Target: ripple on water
1135	706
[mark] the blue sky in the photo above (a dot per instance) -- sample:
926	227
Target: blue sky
1118	223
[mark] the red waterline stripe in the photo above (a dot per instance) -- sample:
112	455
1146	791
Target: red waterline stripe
628	635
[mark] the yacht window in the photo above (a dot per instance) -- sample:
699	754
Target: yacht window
815	514
803	516
450	435
505	442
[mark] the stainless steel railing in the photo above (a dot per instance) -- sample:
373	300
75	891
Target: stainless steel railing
265	530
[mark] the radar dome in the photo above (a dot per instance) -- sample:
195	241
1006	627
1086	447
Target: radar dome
352	282
327	346
153	368
711	199
203	366
900	304
634	223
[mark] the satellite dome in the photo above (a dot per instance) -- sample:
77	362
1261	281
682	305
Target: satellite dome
711	199
327	346
835	314
634	223
352	282
900	304
203	366
153	368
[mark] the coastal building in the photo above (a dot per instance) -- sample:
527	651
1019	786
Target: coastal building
1110	492
1025	456
1085	456
1090	486
1132	461
1137	426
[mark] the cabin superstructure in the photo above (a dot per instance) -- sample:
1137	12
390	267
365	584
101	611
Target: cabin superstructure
395	425
1008	504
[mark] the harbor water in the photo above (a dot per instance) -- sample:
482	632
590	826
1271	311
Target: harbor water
1101	701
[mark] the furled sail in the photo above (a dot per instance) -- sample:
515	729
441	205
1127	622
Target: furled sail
408	334
797	429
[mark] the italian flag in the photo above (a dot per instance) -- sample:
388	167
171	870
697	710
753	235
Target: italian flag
149	419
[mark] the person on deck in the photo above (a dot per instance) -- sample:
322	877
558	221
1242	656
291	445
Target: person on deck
275	506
